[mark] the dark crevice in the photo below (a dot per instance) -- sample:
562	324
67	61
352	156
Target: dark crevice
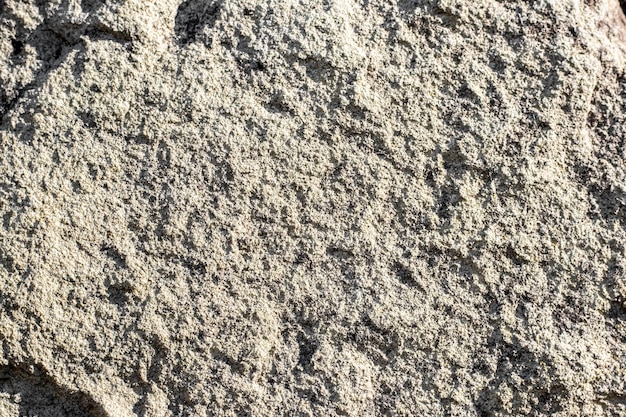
18	46
114	254
514	257
613	398
405	275
38	394
307	346
223	357
193	17
380	345
8	263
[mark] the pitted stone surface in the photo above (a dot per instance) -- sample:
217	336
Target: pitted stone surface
312	208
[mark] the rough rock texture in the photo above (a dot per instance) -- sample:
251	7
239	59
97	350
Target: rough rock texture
312	208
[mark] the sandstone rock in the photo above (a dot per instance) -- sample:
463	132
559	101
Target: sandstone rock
312	208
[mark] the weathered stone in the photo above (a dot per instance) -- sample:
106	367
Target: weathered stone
312	208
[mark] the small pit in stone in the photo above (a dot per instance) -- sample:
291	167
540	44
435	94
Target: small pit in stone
193	16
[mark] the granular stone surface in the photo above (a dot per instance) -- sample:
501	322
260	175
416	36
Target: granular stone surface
312	208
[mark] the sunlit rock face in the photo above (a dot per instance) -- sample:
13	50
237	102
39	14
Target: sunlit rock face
312	208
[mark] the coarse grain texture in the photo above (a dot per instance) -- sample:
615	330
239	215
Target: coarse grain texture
312	208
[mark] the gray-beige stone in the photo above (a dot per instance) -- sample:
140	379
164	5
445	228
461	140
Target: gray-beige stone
312	208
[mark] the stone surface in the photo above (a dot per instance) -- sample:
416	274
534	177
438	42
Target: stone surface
312	208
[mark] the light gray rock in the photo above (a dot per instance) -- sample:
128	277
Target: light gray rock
312	208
